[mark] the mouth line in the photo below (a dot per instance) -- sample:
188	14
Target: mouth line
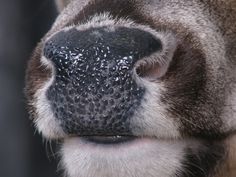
109	140
117	140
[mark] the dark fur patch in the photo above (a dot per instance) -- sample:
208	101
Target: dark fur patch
187	96
204	162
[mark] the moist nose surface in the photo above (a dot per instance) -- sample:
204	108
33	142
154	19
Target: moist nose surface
94	91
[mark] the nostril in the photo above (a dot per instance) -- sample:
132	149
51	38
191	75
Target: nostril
155	66
149	71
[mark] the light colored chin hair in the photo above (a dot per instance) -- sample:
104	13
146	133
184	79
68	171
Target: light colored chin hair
144	158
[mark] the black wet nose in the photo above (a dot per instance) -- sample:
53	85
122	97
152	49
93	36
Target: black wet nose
94	91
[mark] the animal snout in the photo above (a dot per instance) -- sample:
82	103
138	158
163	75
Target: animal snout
95	89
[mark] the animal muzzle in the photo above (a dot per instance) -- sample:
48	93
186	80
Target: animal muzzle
95	89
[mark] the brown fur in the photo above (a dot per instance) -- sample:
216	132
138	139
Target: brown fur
228	167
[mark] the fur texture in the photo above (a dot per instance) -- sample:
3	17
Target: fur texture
185	120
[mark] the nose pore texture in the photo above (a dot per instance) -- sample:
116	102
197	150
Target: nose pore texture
94	91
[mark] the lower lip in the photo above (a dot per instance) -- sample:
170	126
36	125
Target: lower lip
78	148
121	146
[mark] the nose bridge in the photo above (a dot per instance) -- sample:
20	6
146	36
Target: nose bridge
94	84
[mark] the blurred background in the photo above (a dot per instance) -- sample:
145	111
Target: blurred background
22	151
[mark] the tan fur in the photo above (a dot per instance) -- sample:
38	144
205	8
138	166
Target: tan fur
232	156
228	169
